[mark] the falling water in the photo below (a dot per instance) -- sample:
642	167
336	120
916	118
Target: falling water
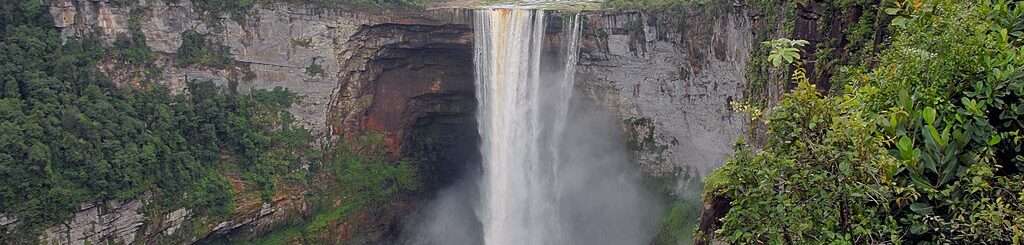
555	167
522	113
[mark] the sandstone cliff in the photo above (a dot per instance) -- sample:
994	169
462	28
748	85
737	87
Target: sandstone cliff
408	75
670	78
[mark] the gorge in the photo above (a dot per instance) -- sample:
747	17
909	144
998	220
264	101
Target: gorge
664	81
420	122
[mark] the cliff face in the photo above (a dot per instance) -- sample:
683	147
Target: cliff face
671	79
272	46
408	76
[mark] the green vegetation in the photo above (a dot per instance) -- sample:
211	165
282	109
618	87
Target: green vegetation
232	8
366	3
677	225
68	135
922	145
661	5
355	176
778	16
314	69
237	9
302	42
847	33
132	49
196	50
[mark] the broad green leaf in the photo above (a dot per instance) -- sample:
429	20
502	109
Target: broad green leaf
935	136
929	115
892	11
994	140
906	148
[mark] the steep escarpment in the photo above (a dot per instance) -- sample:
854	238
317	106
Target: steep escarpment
306	50
303	48
407	76
670	77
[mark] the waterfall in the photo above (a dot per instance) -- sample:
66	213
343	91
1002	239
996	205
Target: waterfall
523	105
556	170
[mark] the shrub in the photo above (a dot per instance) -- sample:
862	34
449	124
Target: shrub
314	69
195	49
924	147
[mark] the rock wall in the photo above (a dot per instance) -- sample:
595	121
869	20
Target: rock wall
362	54
671	79
112	221
408	76
272	46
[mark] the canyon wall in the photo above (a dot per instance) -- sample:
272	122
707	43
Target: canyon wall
408	76
671	79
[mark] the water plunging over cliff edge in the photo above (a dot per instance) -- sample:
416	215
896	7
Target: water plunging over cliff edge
522	114
555	169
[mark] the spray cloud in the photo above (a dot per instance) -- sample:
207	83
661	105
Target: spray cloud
555	170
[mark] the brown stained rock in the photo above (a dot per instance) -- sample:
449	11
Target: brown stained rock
395	65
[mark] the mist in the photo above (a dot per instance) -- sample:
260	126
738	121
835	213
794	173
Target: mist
555	167
602	199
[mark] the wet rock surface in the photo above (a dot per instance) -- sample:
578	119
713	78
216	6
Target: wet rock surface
671	79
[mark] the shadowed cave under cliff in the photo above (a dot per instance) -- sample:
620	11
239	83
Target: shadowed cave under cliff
424	96
419	86
424	99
